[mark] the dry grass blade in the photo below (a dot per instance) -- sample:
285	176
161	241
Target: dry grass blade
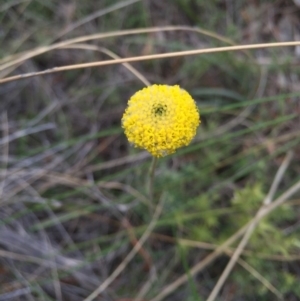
108	52
229	251
150	57
262	279
278	177
20	58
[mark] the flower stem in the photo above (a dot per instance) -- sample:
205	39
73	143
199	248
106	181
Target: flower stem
151	178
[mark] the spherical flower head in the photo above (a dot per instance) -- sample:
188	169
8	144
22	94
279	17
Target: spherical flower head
160	119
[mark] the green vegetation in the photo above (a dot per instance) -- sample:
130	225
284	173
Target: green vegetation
73	191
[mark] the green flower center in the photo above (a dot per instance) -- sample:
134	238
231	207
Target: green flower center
159	110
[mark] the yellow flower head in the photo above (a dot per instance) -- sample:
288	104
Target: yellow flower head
160	119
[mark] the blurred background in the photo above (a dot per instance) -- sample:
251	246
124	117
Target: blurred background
73	190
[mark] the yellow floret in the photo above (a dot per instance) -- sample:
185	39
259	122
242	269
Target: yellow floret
160	119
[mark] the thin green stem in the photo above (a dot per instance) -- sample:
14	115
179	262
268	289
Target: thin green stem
151	178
